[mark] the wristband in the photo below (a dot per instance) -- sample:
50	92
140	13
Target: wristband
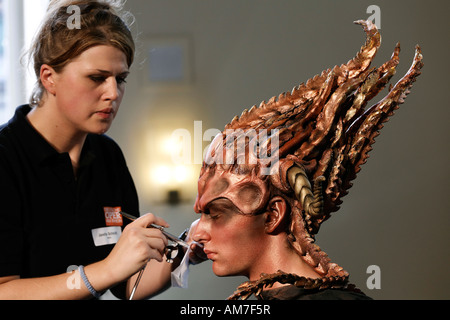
87	283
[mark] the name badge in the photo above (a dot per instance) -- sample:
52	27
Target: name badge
105	236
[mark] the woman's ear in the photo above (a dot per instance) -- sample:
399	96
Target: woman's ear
277	210
48	77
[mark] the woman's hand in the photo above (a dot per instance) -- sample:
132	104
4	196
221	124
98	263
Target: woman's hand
138	244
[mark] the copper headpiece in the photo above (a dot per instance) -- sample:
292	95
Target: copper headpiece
308	144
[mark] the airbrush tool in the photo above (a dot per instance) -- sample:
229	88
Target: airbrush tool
171	250
169	236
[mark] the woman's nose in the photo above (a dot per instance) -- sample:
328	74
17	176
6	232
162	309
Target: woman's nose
112	90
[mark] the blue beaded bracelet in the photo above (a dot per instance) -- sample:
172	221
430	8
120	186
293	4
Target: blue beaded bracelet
87	283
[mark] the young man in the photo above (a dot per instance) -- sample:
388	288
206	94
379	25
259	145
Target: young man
260	221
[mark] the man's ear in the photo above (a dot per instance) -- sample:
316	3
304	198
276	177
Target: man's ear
47	77
277	210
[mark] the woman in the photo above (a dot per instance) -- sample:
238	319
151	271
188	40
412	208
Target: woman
63	184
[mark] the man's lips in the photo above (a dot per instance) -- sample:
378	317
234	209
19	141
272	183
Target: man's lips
209	254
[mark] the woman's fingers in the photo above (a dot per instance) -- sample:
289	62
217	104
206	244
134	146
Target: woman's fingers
138	244
197	255
146	220
155	239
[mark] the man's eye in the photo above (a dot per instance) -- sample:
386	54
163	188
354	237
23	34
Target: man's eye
212	215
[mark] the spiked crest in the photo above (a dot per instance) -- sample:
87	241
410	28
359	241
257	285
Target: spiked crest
315	139
323	127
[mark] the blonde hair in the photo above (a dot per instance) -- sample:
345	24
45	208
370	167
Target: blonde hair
56	44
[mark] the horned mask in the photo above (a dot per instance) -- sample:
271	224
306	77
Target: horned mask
306	145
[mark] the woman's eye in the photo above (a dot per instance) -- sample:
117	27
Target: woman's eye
101	79
97	79
121	80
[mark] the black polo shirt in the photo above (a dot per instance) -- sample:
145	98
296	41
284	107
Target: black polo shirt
46	214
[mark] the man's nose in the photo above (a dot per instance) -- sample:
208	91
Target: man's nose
201	235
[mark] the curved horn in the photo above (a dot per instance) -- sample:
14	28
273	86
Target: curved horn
311	201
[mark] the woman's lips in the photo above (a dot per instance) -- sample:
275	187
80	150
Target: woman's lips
106	113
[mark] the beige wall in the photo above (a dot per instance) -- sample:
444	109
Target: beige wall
242	52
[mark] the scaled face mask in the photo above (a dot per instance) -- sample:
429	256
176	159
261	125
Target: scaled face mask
306	145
